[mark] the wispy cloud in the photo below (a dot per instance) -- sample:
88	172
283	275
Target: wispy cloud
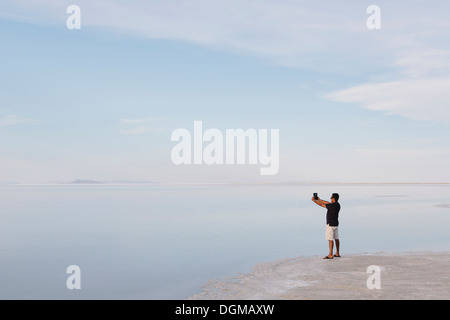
329	36
293	33
404	152
424	99
421	91
139	126
12	119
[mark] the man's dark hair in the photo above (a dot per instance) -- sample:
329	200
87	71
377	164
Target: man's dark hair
335	196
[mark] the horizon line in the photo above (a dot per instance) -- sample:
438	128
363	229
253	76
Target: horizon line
99	183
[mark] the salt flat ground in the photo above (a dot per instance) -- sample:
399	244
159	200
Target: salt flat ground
402	276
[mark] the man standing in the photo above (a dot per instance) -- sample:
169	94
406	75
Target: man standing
331	233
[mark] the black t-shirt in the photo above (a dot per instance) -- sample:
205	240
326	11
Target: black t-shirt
333	213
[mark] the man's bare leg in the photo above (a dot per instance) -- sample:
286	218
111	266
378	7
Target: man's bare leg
337	248
330	245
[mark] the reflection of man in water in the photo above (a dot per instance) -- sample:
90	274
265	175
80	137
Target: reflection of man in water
331	233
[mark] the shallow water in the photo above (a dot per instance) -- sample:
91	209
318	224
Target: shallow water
165	241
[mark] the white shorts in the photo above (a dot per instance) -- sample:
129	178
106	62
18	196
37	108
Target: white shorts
331	233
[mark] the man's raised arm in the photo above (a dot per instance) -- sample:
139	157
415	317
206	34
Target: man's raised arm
320	202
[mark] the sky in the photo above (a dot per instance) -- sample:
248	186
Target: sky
352	104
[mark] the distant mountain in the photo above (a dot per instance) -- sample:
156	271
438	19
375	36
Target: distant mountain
7	183
84	181
80	181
